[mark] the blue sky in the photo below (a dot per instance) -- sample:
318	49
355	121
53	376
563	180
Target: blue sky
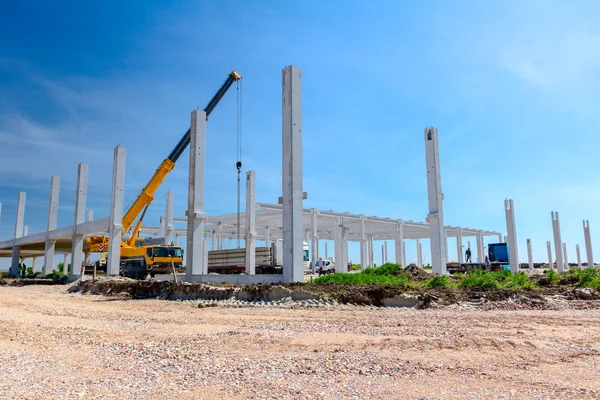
511	85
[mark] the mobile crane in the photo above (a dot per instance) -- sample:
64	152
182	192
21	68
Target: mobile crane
138	259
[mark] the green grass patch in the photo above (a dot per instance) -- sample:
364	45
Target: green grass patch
385	269
482	279
588	277
440	281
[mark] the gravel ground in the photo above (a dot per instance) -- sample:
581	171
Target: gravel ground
55	345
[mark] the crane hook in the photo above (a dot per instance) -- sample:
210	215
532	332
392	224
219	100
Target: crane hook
238	165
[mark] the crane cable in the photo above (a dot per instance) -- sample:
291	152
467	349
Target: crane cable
238	155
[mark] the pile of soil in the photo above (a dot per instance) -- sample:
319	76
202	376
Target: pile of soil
417	273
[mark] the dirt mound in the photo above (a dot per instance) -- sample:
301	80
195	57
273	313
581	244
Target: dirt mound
417	273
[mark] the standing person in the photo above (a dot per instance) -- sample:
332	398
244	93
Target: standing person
487	264
468	254
319	265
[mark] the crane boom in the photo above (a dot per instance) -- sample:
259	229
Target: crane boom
147	194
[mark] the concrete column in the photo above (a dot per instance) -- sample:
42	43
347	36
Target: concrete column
0	210
268	238
90	215
79	218
371	252
447	254
566	260
550	261
505	239
162	228
588	244
195	212
87	256
345	246
385	252
363	244
314	239
499	238
560	265
435	218
250	222
326	254
52	221
16	258
33	260
292	174
169	227
341	259
511	231
459	245
213	240
220	236
65	268
529	255
115	225
576	251
482	244
404	253
479	247
25	230
382	254
419	254
398	240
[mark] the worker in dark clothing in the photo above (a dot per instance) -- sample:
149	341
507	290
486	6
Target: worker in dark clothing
468	254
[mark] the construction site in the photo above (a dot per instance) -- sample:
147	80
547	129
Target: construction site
159	317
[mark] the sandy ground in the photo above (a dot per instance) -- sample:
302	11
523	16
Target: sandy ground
55	345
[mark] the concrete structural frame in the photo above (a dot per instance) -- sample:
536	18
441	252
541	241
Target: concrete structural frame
511	233
293	270
529	254
195	212
19	222
578	253
560	266
251	222
115	226
550	261
566	259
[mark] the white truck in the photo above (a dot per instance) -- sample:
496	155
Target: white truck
269	260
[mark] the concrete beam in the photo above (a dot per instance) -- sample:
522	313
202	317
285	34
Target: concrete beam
195	213
511	232
52	221
588	243
560	265
115	225
251	222
435	218
293	270
79	218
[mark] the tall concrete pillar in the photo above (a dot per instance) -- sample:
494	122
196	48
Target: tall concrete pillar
341	259
529	255
578	256
220	235
314	242
588	244
385	252
499	238
363	244
479	247
195	212
511	232
566	260
398	240
435	218
404	253
169	227
293	270
213	240
268	238
65	269
79	218
345	246
482	244
459	245
162	228
560	264
326	254
16	258
115	224
52	221
550	261
25	230
419	254
90	215
371	252
250	222
33	262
